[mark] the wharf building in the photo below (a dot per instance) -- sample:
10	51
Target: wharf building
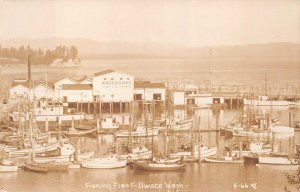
107	91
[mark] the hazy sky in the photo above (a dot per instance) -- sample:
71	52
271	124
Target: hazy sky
191	23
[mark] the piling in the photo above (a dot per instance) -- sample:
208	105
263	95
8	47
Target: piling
241	150
46	125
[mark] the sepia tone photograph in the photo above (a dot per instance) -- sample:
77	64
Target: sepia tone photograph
150	96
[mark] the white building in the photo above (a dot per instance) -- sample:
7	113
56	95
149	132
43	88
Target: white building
178	97
81	93
65	81
20	90
42	91
148	91
112	86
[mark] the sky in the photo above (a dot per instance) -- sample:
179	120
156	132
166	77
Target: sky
189	23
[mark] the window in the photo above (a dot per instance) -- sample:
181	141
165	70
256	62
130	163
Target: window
138	97
156	96
112	79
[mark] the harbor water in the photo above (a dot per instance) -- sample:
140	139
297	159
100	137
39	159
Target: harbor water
196	177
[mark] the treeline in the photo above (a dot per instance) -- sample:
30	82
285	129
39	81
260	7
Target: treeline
39	56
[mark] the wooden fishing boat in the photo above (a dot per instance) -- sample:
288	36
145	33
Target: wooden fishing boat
159	166
223	160
277	159
39	169
73	132
187	155
265	101
251	159
37	149
51	166
138	153
141	131
66	154
103	163
8	166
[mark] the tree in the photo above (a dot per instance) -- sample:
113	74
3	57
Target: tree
22	55
294	179
73	52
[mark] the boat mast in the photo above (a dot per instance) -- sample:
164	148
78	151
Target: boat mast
210	63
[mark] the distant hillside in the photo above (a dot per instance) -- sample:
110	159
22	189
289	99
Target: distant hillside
106	50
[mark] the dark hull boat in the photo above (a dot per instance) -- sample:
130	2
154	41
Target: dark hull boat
251	159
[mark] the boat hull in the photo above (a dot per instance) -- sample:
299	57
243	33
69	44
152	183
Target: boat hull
159	166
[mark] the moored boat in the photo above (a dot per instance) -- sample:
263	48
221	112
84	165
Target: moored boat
187	155
223	160
141	131
103	163
159	166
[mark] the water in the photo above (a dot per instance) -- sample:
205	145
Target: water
225	71
196	177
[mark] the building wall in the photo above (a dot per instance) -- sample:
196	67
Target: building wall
77	95
41	91
58	84
114	87
178	98
18	91
147	93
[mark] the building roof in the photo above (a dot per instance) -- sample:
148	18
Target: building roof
104	72
25	84
66	78
148	84
76	87
110	71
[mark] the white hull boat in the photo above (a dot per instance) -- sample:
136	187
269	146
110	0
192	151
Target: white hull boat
140	132
8	168
138	153
37	149
205	152
277	160
103	163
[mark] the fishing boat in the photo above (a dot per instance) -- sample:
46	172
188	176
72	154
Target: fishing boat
8	166
73	132
32	167
177	124
66	154
103	163
263	100
277	159
254	147
160	165
250	125
251	159
109	123
50	166
187	154
225	159
141	131
138	153
37	149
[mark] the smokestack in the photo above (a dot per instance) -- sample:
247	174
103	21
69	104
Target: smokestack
29	70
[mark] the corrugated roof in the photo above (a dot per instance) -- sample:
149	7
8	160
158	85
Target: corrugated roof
148	85
77	87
